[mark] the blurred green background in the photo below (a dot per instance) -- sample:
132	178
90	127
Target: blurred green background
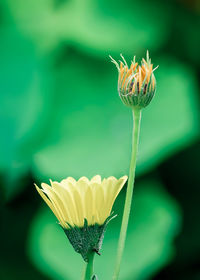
60	116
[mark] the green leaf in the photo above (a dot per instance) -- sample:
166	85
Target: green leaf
154	222
97	27
24	106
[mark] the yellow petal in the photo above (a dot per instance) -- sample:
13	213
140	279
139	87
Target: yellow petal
112	187
99	204
84	179
66	181
71	188
96	179
80	207
89	205
50	204
68	206
57	203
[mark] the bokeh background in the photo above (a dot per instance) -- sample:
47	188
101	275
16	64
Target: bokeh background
60	116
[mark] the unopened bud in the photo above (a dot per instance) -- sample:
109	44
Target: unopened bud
137	83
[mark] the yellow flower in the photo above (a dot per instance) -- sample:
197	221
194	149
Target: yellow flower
83	209
73	202
137	83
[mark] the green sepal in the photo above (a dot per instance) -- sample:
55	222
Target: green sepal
138	99
87	239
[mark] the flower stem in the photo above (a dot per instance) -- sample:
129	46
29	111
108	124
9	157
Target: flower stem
89	270
129	192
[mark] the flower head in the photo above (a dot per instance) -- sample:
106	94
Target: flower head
137	83
83	208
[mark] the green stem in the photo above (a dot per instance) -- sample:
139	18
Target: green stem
129	192
89	270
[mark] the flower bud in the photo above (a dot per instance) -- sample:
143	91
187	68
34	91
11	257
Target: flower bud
137	83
